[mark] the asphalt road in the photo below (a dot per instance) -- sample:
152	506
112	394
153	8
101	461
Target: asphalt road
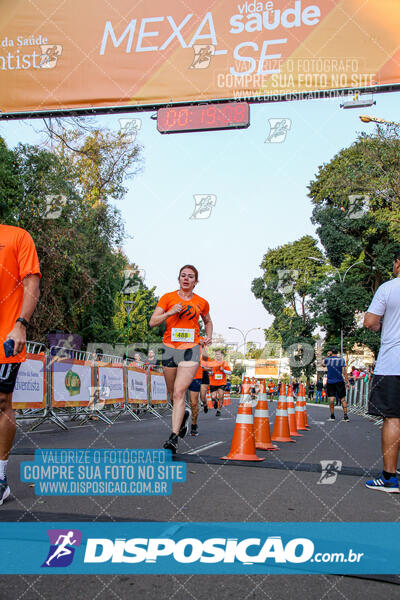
284	487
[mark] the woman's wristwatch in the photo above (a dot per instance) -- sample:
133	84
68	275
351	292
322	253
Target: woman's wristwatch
23	321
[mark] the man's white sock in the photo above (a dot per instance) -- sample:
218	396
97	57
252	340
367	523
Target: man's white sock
3	467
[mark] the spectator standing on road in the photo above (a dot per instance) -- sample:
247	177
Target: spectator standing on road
384	399
336	376
19	293
311	389
319	387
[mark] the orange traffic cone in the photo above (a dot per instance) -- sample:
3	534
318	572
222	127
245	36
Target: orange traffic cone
262	432
300	408
291	413
243	444
227	399
281	432
305	406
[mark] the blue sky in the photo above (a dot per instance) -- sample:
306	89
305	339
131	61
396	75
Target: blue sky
260	189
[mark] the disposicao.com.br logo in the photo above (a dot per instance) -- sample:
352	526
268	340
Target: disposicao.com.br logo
213	550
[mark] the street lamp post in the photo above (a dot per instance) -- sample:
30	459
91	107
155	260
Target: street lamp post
367	119
245	336
341	279
128	307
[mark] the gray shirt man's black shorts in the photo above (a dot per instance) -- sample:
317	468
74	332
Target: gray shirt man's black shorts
8	377
384	396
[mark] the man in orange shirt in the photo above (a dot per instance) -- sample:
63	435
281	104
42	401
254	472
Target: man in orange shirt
220	369
19	293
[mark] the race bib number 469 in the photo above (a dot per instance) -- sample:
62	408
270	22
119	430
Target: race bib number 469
182	335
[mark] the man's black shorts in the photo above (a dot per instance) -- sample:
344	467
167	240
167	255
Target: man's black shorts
195	385
206	378
384	397
8	376
215	388
173	356
336	389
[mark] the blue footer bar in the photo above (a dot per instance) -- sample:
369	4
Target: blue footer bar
201	548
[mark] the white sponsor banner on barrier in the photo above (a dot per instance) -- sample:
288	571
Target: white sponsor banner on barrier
71	382
158	388
137	386
111	383
30	382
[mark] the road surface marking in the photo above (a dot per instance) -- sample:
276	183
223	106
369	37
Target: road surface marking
202	448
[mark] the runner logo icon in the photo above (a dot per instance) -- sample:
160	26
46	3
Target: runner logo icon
329	471
202	56
204	204
278	130
61	551
50	55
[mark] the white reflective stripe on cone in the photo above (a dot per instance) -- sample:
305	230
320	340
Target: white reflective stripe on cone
281	413
260	412
245	419
245	398
290	410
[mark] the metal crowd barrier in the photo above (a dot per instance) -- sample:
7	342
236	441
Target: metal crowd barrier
95	401
357	400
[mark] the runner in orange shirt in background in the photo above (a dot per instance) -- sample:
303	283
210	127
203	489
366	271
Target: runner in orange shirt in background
198	386
181	344
19	293
220	369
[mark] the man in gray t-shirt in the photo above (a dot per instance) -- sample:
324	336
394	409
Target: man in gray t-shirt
384	400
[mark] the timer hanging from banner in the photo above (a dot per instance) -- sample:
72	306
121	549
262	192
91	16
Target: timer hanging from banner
228	115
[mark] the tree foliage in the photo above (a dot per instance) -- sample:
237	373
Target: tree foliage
356	209
62	197
284	289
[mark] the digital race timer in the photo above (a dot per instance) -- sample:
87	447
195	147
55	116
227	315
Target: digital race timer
229	115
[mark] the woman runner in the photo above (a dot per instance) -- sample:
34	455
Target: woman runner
181	344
